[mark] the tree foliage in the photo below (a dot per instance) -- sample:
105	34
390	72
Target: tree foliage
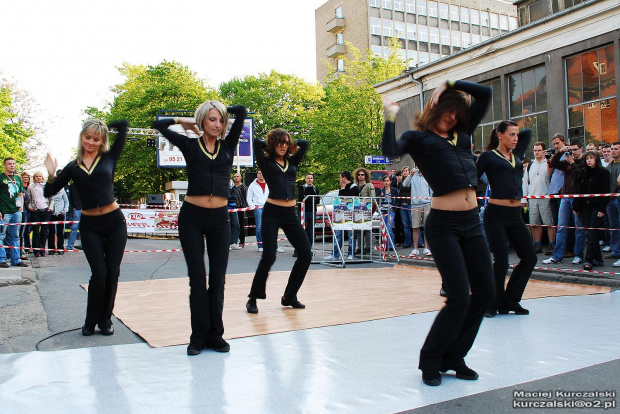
349	124
145	91
13	133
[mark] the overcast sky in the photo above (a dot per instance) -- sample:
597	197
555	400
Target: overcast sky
66	53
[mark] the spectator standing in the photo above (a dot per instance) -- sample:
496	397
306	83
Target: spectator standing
241	192
366	189
405	207
607	158
557	176
594	179
235	227
421	206
258	192
11	206
536	183
310	204
74	214
39	208
347	189
613	207
59	209
26	229
573	162
389	203
399	231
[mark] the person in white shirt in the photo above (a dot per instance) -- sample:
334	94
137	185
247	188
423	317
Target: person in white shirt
536	183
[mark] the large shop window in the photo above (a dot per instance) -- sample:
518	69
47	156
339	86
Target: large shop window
490	120
591	96
527	92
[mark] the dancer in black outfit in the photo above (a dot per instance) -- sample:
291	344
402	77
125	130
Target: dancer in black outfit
279	168
204	213
103	227
502	218
441	148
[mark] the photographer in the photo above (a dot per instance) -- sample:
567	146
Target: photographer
571	165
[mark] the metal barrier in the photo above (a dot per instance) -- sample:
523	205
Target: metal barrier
356	224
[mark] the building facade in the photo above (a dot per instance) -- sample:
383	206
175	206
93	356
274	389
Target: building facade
426	30
555	74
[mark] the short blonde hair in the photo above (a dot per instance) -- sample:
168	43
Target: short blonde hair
37	173
203	110
97	126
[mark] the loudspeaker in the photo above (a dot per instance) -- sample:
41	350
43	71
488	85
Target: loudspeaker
155	200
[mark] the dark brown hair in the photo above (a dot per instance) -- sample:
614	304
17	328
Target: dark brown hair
450	100
276	136
494	139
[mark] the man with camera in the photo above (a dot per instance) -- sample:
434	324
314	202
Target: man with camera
536	183
571	165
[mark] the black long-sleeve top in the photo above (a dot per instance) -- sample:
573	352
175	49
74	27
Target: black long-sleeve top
308	190
505	176
572	171
207	173
280	178
95	186
593	181
446	163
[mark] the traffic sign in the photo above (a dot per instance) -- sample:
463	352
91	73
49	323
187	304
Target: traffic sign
377	159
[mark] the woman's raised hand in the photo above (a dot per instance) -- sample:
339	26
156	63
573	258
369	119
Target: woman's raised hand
189	124
390	107
437	93
51	164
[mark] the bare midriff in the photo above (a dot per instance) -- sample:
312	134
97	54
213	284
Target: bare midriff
207	201
505	202
100	211
459	200
282	203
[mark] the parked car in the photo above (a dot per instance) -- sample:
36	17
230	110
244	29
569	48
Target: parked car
377	176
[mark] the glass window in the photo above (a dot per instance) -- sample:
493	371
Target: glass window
484	19
503	22
528	97
512	23
515	90
411	31
528	101
423	33
432	9
410	4
424	58
445	37
443	11
399	5
590	92
466	41
339	39
475	17
339	12
422	7
388	27
494	21
475	39
399	30
456	39
541	89
464	15
454	13
340	65
387	4
435	56
375	26
376	49
412	55
433	34
374	3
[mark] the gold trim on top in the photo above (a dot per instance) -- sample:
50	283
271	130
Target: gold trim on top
281	167
452	141
207	153
512	160
92	166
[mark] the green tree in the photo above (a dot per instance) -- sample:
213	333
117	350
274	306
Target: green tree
349	124
145	91
13	133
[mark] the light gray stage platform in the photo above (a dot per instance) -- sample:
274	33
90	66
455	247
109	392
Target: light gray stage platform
365	367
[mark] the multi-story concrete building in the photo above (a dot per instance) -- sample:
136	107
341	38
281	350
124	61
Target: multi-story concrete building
427	30
556	73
